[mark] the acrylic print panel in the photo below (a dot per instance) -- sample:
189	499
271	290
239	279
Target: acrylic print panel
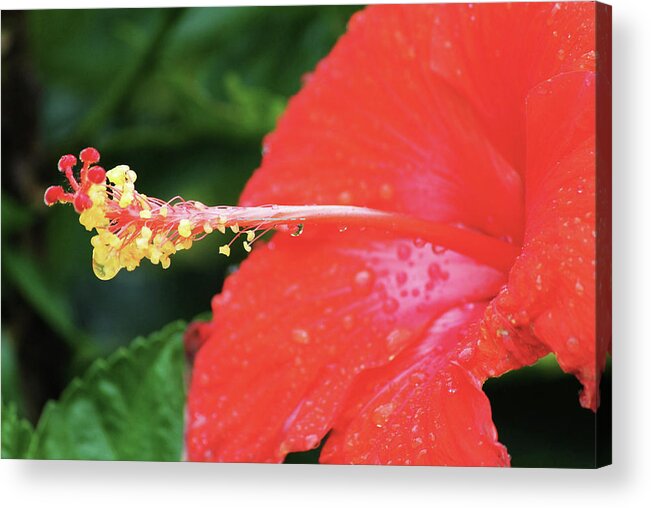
417	272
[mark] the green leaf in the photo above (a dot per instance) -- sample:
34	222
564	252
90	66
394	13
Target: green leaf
10	376
126	407
16	433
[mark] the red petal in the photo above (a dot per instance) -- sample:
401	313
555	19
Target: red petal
299	321
420	109
551	289
423	409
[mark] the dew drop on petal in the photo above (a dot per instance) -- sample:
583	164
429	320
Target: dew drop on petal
465	354
386	191
298	230
300	336
311	441
382	413
419	243
572	344
397	339
436	273
417	442
345	198
390	305
364	280
404	252
579	288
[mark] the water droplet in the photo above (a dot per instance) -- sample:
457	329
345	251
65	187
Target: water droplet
390	305
199	420
465	354
404	252
300	336
311	441
386	191
419	243
298	230
572	344
438	249
436	274
382	413
579	287
397	339
364	280
343	229
347	322
345	198
401	278
539	285
561	54
417	377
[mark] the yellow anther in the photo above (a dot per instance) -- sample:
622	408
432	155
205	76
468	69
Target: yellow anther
246	245
168	248
165	263
250	236
127	195
145	232
145	214
131	175
225	250
221	228
117	175
162	211
235	228
185	228
93	217
154	255
222	219
97	194
207	228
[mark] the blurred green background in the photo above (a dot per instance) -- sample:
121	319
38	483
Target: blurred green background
184	96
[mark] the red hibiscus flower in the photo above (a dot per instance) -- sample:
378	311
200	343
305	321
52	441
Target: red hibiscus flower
478	116
443	160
